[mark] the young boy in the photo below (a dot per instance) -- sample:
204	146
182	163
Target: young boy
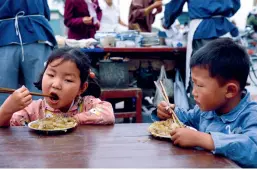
225	117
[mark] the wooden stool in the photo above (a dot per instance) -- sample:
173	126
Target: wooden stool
125	93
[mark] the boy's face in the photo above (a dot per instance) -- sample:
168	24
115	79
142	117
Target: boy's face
61	78
208	93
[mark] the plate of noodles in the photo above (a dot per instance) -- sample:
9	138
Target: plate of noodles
53	124
162	129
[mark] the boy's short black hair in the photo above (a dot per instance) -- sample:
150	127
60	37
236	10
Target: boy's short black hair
225	60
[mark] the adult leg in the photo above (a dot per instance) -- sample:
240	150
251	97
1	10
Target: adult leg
9	69
34	57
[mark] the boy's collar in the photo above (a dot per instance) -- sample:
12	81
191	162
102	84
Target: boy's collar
233	114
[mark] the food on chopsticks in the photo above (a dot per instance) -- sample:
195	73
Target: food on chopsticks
163	128
54	123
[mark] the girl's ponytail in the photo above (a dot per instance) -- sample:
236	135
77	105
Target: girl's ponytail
94	88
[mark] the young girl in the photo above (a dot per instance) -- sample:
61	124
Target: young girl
67	77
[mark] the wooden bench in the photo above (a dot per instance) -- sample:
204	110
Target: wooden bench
125	93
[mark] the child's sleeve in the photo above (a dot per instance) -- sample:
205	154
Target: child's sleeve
20	118
242	147
190	117
95	112
26	115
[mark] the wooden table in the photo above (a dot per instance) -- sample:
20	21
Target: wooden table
118	146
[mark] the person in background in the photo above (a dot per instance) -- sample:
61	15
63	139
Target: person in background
252	22
26	41
68	78
224	115
82	17
142	14
252	19
208	22
111	21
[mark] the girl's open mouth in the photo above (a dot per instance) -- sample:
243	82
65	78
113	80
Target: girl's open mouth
54	97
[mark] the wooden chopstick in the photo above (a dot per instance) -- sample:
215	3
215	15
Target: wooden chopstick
8	90
166	98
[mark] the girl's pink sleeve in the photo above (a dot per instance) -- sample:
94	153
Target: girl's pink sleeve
19	118
26	115
95	112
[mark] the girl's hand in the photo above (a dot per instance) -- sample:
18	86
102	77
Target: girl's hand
18	100
88	20
162	111
186	137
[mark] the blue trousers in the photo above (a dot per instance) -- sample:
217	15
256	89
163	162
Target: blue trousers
12	66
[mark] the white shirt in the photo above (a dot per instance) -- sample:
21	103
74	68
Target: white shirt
91	10
110	17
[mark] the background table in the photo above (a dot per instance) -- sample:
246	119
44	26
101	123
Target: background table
118	146
159	53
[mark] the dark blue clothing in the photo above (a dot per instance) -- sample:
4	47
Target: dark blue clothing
211	27
32	28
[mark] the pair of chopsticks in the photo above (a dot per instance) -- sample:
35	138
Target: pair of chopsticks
166	98
7	90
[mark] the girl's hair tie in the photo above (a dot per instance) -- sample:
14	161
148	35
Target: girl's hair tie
91	74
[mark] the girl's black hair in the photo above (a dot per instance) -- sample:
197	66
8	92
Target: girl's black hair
83	64
225	60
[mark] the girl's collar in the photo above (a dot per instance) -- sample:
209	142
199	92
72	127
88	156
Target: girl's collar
74	106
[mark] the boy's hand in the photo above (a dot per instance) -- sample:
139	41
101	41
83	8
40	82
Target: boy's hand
186	137
20	99
162	111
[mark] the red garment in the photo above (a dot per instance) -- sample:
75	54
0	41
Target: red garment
137	16
74	12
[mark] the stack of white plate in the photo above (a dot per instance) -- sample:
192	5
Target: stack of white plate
149	39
